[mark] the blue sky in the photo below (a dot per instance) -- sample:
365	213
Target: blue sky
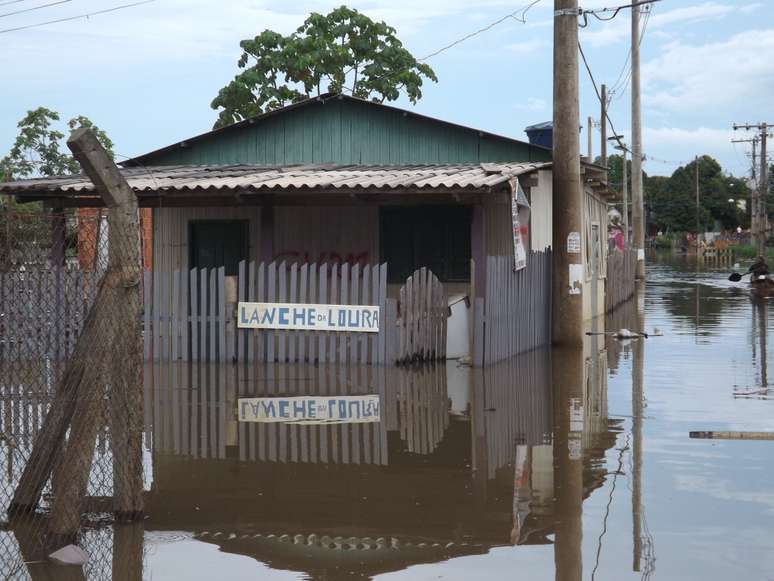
147	74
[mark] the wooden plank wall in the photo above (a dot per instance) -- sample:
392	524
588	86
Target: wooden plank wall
517	308
621	272
422	324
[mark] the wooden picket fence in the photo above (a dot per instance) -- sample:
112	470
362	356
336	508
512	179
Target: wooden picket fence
191	315
42	311
314	284
422	323
621	277
516	315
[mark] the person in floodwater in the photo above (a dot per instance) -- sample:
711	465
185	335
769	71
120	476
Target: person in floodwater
759	268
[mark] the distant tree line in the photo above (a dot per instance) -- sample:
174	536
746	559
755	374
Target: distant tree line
670	201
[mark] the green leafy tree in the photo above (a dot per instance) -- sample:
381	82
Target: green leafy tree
343	50
38	149
672	200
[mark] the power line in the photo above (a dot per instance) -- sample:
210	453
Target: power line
35	8
521	18
11	2
620	90
78	17
599	97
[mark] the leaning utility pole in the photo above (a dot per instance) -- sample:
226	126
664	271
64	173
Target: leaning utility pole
568	275
603	127
758	217
638	210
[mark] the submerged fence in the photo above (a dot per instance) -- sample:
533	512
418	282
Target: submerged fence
516	317
190	315
423	313
70	427
621	277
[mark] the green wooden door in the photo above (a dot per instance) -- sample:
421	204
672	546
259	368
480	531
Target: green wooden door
216	243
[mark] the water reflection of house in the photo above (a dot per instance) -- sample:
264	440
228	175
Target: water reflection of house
420	486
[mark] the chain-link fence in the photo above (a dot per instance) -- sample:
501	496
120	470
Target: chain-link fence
70	381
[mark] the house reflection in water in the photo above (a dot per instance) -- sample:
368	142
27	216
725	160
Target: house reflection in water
420	486
462	461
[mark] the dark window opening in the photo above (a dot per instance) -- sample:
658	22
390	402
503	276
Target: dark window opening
216	243
437	237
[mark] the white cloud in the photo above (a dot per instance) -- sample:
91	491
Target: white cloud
619	29
532	104
729	72
527	46
705	138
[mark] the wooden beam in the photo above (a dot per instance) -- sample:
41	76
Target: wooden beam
731	435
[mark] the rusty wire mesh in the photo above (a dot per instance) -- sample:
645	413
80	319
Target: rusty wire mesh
70	406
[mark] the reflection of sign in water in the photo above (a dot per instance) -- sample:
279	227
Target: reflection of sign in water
353	318
333	409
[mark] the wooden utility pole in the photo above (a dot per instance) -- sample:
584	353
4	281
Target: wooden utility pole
568	273
603	127
638	209
758	217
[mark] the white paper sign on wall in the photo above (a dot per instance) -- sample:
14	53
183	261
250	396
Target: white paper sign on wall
350	318
573	243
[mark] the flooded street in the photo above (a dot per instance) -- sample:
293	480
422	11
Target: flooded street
548	466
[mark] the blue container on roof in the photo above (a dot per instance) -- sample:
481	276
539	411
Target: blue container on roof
541	134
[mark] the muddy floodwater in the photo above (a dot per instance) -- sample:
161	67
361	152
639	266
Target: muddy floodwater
564	465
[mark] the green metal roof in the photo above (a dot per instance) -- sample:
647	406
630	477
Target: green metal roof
341	129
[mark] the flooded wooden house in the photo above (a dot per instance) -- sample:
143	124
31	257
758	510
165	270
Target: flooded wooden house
341	200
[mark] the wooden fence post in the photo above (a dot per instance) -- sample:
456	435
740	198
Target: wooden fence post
108	351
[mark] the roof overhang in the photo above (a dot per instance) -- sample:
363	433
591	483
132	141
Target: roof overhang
245	185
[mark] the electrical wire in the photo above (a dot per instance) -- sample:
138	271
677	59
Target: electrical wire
11	2
35	8
522	18
78	17
617	92
599	97
522	12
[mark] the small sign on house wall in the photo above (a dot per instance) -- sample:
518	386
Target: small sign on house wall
295	316
519	213
331	409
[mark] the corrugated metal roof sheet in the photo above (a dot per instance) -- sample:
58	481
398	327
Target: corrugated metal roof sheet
251	178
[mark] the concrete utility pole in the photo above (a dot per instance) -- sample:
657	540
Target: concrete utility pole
696	188
638	209
758	218
753	173
590	145
568	277
603	127
625	193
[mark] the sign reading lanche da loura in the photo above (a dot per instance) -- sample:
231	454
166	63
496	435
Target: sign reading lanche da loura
350	409
303	317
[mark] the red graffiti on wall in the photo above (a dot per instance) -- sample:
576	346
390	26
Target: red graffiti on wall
325	257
